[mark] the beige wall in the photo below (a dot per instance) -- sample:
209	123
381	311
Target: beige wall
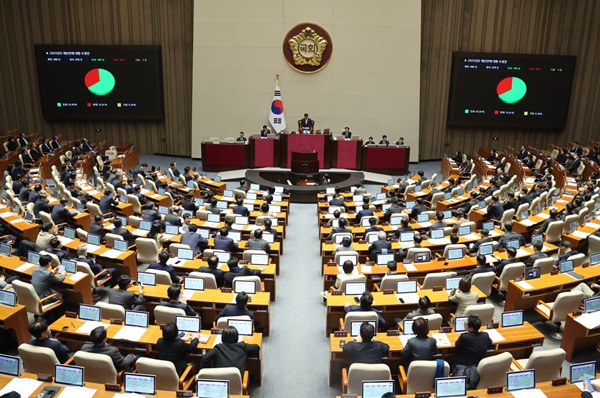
371	83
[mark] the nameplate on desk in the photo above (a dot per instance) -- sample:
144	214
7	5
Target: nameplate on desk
385	223
393	333
330	263
216	331
518	279
495	389
349	396
394	240
44	377
577	313
554	272
438	288
243	261
71	314
226	290
388	291
340	333
445	329
116	321
561	381
370	263
112	387
493	325
441	258
585	265
423	394
336	293
184	394
328	242
362	242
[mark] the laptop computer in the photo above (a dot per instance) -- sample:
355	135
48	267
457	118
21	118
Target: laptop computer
355	288
376	388
228	193
357	198
407	326
147	278
455	254
123	220
163	210
216	218
259	259
464	230
120	245
251	196
123	198
446	387
90	312
393	221
223	257
241	220
447	214
145	225
188	324
513	243
161	191
418	188
380	196
422	257
33	258
460	324
69	266
8	298
172	230
407	237
566	267
521	380
29	217
512	318
191	283
410	205
244	286
591	304
391	181
524	215
137	383
185	254
212	388
383	259
93	239
372	237
222	205
9	365
594	258
407	291
190	185
488	225
69	375
254	187
580	371
486	249
217	178
538	237
5	249
365	222
69	233
199	202
352	257
243	326
203	232
437	233
355	327
447	195
532	273
423	218
137	318
269	237
235	235
452	283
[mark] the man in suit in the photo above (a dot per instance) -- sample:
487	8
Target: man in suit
366	350
61	215
509	235
523	153
342	224
495	209
22	140
43	277
473	345
56	249
379	246
384	141
34	195
223	242
42	205
17	184
124	298
231	352
99	346
577	149
264	132
173	217
239	309
150	213
241	138
162	265
306	125
372	226
42	337
256	242
235	270
360	190
369	141
196	242
176	172
528	161
137	193
213	263
85	146
482	266
188	203
511	202
565	251
400	141
173	349
347	134
573	164
537	253
395	208
512	254
419	207
485	238
524	197
107	202
338	200
25	191
267	223
439	223
553	217
404	227
173	293
239	208
119	230
365	212
493	156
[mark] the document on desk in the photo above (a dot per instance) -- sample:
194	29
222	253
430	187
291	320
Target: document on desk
409	267
64	240
92	248
112	253
128	395
76	276
77	392
140	232
590	320
441	339
252	227
88	326
441	241
581	234
6	214
408	298
530	393
527	222
210	224
545	216
494	335
405	337
524	285
494	234
24	267
522	253
131	333
237	227
594	393
176	262
16	220
25	387
188	294
424	225
366	269
407	245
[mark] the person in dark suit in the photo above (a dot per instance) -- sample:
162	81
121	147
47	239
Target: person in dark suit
85	146
42	205
137	192
306	125
421	347
485	238
495	209
419	207
393	209
365	212
188	203
56	249
384	140
338	200
223	242
256	242
235	270
42	277
175	301
239	208
537	253
366	350
267	223
96	228
369	141
61	215
379	246
511	202
230	353
523	153
42	337
577	148
512	254
107	203
510	235
171	348
482	266
213	263
150	213
124	298
565	251
347	134
12	144
17	184
173	217
553	217
239	309
176	172
264	132
163	257
439	223
23	141
95	267
372	226
493	156
366	305
25	191
528	161
119	230
241	138
342	224
473	345
196	242
99	346
524	197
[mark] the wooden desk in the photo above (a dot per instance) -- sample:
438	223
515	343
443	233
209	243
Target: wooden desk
126	162
576	336
579	239
126	262
15	319
21	228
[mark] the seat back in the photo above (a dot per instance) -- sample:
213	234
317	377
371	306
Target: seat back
336	258
421	375
567	224
230	374
27	296
251	278
85	268
434	321
46	218
483	281
340	236
545	265
435	199
166	374
99	368
134	221
164	314
581	218
147	252
109	311
110	238
547	364
93	209
210	282
38	359
521	209
410	255
507	216
510	272
436	279
248	253
554	231
565	303
174	247
366	371
485	312
222	322
455	246
492	370
360	316
135	202
354	278
594	244
162	277
577	259
54	257
391	281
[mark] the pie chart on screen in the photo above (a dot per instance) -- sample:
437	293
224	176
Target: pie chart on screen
511	90
99	81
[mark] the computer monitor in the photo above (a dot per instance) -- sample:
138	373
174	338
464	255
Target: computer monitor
486	249
592	304
254	187
423	218
123	198
69	375
407	237
595	259
513	243
163	210
80	207
422	257
524	215
205	233
259	259
69	233
383	259
532	273
446	387
573	226
244	286
70	266
409	286
235	235
89	312
223	257
391	181
355	327
410	205
9	365
123	220
93	239
437	233
33	258
213	218
447	195
536	238
566	266
241	220
345	257
355	288
376	388
191	283
447	214
460	323
243	326
161	191
380	196
172	230
251	196
407	326
188	324
199	202
212	388
137	318
580	371
217	178
222	205
521	380
418	188
8	298
137	383
464	230
452	283
185	254
145	225
512	318
5	249
147	278
269	237
455	254
190	185
29	217
357	198
228	193
488	225
482	204
365	222
120	245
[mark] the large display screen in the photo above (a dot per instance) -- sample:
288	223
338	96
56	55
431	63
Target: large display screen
80	82
510	90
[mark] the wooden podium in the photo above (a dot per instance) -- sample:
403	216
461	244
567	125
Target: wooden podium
305	162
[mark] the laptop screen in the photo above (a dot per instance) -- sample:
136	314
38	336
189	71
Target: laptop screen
574	226
351	257
244	286
89	312
375	389
393	221
235	235
406	287
372	237
243	326
8	298
5	249
136	383
190	185
407	237
69	233
251	196
217	178
123	198
212	388
365	221
221	205
391	181
137	318
145	225
254	187
120	245
123	220
513	243
380	196
486	249
163	210
595	259
532	273
199	201
437	233
70	266
521	380
566	266
581	371
422	257
147	278
385	206
213	217
172	230
383	259
241	220
410	205
269	237
67	374
9	365
592	304
222	256
418	188
488	225
448	196
355	327
452	283
450	387
355	288
228	193
161	191
190	324
524	215
259	259
33	258
455	254
464	230
190	283
460	323
423	218
185	254
538	237
28	217
203	232
357	198
93	239
512	318
447	214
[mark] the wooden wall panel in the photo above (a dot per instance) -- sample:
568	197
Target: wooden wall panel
559	27
169	24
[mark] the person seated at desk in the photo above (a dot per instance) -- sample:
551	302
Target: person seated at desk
56	249
512	254
439	223
239	207
25	190
366	350
124	298
230	352
42	204
381	245
565	252
419	207
99	345
495	209
150	213
173	349
174	169
593	290
108	203
95	267
256	242
400	141
239	309
360	190
47	232
473	345
366	304
264	132
395	208
537	253
235	270
347	134
157	232
553	217
336	216
463	296
369	141
482	266
119	230
196	242
424	309
224	242
213	263
174	217
42	337
509	235
176	300
421	347
372	226
241	138
42	278
97	228
511	202
342	224
189	204
338	200
306	125
267	223
404	227
163	257
384	140
265	211
348	268
365	212
187	221
485	238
